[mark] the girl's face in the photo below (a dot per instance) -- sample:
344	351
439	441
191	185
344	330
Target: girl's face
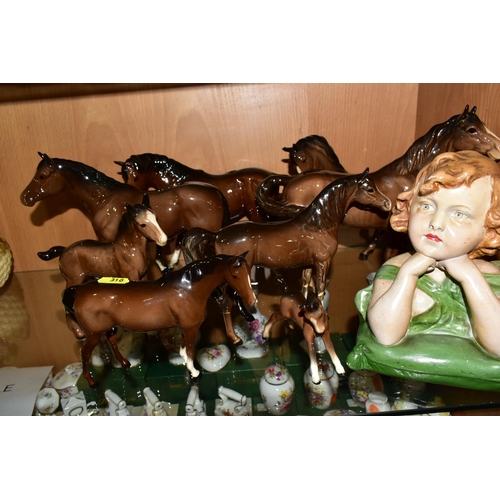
449	223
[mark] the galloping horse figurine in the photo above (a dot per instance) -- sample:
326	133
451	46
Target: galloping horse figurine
105	199
157	171
178	299
312	153
309	239
125	257
311	317
460	132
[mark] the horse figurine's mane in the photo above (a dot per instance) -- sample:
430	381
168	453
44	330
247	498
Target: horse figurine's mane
94	176
321	142
332	200
422	147
197	270
157	163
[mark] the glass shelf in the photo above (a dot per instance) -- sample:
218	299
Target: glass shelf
172	383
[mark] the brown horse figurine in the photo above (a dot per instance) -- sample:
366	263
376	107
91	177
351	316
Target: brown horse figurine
312	318
105	199
157	171
178	299
125	257
460	132
312	153
309	239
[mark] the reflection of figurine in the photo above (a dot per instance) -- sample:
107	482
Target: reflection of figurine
312	318
177	299
460	132
130	345
231	403
441	295
309	239
157	171
125	257
171	339
195	407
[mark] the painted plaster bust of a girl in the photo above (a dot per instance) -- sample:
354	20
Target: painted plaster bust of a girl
452	216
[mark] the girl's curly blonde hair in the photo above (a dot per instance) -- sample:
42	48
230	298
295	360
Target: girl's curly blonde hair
452	170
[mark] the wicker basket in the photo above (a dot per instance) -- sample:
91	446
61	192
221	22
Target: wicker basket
5	262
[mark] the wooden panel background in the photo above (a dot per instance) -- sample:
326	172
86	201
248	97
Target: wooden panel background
214	127
437	102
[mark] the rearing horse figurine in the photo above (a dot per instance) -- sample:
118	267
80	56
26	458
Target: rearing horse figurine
460	132
309	239
157	171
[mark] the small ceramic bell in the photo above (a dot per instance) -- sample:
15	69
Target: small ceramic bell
324	394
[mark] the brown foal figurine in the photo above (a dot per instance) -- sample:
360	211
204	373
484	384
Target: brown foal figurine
125	257
312	318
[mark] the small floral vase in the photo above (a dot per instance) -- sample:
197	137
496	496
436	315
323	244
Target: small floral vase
324	394
277	389
361	383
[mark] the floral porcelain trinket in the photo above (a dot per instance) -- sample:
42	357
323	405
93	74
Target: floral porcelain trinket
65	381
254	345
231	403
324	394
277	389
212	359
47	401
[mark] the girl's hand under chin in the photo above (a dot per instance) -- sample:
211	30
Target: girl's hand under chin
418	264
458	267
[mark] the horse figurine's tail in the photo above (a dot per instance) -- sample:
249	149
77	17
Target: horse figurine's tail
267	201
198	243
52	253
